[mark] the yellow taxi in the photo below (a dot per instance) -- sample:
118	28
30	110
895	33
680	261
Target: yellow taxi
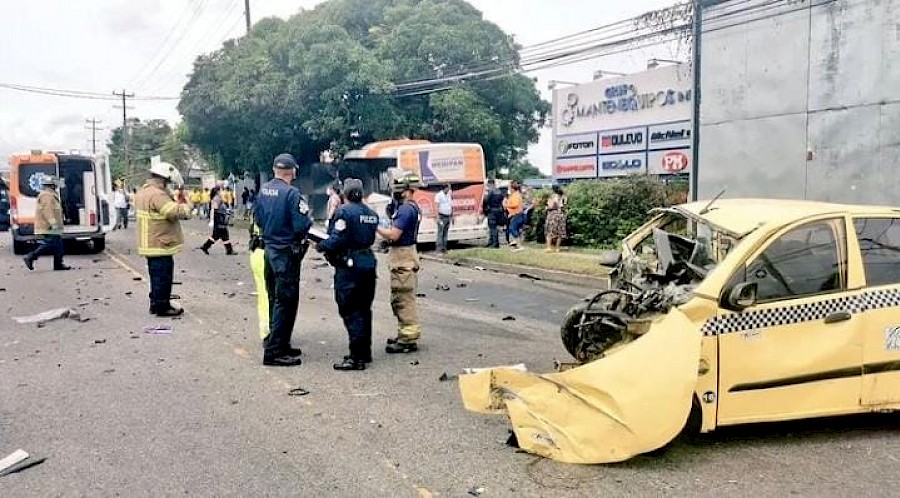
720	313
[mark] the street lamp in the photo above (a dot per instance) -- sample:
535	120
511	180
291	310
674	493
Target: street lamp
600	74
552	84
654	63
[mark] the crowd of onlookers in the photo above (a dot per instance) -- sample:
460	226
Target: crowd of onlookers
201	198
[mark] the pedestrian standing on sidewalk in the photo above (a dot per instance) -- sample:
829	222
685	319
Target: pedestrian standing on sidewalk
159	233
555	227
492	209
245	199
404	261
283	217
48	226
443	200
120	203
219	223
349	249
335	200
515	209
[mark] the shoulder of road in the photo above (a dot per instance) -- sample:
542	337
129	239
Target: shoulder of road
566	267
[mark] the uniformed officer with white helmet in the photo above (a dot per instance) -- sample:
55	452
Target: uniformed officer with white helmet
159	233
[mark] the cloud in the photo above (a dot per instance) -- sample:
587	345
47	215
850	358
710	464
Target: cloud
131	17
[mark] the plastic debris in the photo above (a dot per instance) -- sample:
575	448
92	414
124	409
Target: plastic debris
298	391
476	491
509	318
160	329
48	316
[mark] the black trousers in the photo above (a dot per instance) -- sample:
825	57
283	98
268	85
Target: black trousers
49	245
162	272
354	291
282	274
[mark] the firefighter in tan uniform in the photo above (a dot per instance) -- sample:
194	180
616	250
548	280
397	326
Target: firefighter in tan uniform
48	226
159	233
404	261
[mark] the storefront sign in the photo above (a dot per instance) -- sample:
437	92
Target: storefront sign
582	167
576	145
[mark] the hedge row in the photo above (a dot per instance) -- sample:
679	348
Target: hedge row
601	213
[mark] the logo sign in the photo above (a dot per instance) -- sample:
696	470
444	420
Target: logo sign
442	164
622	164
34	181
669	162
670	136
623	140
675	162
581	167
576	145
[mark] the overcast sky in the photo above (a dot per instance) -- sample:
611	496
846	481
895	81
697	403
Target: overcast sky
148	46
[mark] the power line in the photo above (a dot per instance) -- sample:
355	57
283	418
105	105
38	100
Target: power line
162	45
75	94
194	16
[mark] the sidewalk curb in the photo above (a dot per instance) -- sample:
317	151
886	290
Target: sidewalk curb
559	277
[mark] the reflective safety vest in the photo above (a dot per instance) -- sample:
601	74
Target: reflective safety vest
48	218
159	231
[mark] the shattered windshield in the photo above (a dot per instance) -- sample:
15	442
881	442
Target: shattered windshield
677	238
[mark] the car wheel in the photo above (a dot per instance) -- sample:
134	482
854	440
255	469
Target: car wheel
569	332
98	244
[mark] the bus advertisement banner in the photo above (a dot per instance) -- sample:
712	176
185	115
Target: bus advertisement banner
438	165
466	200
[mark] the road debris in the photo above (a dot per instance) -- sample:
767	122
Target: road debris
414	363
99	341
529	276
12	459
24	464
479	268
476	491
462	285
421	294
298	391
40	319
442	287
445	377
509	318
160	329
472	300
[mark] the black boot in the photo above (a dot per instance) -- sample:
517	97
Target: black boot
350	364
401	347
29	262
206	245
229	249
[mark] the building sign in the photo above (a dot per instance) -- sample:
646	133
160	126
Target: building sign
576	145
637	124
579	167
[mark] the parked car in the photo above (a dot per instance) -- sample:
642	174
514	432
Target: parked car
720	313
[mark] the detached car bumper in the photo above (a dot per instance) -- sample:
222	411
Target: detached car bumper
636	399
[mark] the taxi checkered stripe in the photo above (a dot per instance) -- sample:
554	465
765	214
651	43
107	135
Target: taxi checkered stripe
738	322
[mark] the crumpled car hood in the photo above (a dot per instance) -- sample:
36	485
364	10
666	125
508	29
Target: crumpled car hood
633	401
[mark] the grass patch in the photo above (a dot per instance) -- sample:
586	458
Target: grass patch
536	257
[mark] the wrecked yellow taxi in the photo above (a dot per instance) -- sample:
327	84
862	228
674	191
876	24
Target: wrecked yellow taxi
719	313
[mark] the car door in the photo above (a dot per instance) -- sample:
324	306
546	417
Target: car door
879	243
797	351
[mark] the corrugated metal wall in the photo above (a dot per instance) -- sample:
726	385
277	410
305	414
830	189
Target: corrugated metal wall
801	99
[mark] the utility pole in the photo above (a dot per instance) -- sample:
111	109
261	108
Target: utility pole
93	127
125	108
695	124
247	15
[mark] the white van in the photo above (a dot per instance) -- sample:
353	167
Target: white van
84	190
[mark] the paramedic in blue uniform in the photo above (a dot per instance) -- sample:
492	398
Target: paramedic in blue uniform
282	215
349	249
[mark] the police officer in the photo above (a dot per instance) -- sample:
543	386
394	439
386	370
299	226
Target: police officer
48	226
404	261
159	233
349	248
492	208
283	217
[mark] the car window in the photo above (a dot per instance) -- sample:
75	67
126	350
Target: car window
805	261
879	241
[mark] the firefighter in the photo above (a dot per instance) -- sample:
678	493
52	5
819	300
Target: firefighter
349	249
404	261
282	215
159	233
48	226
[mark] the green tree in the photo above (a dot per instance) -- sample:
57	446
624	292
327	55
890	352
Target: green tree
145	139
328	79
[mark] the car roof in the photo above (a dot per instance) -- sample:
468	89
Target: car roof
741	216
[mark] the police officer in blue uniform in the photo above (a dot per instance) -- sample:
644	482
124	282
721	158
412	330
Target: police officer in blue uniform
349	248
282	215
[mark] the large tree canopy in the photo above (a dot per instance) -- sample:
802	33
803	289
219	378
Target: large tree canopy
145	140
332	78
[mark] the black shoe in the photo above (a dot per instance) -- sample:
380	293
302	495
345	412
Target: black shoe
170	312
364	360
205	250
62	268
350	364
293	352
174	297
29	263
282	361
401	347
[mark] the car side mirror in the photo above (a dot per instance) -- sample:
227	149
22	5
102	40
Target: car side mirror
610	258
742	296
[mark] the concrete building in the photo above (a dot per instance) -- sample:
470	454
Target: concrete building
801	99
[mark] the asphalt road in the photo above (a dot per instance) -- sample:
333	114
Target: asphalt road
117	411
